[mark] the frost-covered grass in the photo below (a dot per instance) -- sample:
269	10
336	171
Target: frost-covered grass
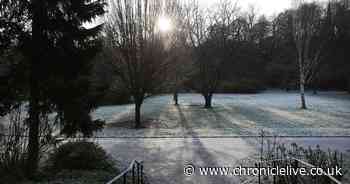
276	112
76	177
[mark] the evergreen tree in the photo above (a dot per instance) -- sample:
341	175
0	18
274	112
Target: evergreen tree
57	53
13	19
59	65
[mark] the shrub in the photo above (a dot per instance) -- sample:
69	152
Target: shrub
115	98
13	148
80	155
241	86
275	154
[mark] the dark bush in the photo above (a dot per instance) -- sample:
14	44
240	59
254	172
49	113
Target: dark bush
11	166
80	155
115	98
13	148
241	86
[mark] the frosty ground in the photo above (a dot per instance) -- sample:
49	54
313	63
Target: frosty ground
275	112
224	135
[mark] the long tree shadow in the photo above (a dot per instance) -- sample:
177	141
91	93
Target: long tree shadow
200	152
248	120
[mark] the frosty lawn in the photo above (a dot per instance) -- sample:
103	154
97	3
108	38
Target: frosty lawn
232	115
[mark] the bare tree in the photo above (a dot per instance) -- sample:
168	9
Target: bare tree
251	17
207	74
306	27
136	47
180	68
178	47
207	33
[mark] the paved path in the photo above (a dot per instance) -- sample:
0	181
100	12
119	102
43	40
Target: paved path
165	158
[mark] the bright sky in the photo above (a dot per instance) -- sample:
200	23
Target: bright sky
267	7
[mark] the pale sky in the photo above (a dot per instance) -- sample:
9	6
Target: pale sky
267	7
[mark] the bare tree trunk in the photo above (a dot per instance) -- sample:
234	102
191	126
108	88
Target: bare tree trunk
302	85
33	142
34	111
302	95
176	98
176	91
315	89
306	20
316	84
287	87
208	101
138	114
139	55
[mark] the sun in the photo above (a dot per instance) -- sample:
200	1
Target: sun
164	24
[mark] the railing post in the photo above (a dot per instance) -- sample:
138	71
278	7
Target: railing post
138	173
259	177
141	173
274	165
133	174
296	166
131	169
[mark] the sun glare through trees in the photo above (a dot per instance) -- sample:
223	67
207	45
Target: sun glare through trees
130	91
164	24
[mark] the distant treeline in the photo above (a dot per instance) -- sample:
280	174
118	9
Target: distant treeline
254	53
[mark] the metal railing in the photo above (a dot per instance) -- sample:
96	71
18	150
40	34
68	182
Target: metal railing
296	163
133	174
332	179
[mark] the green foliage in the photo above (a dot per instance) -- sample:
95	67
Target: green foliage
14	17
12	88
65	81
56	64
53	71
80	155
12	35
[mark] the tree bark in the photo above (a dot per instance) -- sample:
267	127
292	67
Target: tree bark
34	120
315	85
314	88
302	91
302	95
33	142
176	98
138	114
34	107
302	79
208	101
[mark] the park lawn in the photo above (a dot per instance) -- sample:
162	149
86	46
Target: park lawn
275	112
